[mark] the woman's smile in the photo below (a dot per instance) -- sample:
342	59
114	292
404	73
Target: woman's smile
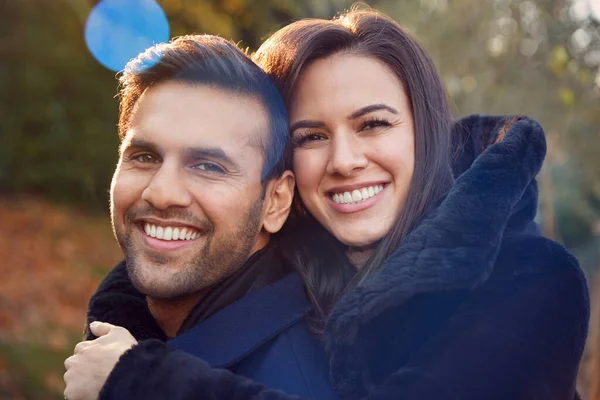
354	200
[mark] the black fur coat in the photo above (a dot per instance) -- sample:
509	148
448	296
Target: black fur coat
470	306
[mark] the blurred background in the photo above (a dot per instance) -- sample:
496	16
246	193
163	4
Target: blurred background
58	138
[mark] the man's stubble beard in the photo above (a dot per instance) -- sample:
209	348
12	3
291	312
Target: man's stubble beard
213	263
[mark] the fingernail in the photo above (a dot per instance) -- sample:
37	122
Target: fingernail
94	324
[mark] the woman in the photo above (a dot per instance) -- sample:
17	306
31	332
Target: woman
449	297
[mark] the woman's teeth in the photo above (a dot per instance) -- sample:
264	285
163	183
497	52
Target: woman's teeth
170	233
356	196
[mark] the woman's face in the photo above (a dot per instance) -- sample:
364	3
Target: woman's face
353	135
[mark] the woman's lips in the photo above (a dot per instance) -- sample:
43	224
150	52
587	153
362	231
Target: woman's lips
373	196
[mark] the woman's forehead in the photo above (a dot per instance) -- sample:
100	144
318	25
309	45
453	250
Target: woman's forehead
343	83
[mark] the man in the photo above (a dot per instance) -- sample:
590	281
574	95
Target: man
200	188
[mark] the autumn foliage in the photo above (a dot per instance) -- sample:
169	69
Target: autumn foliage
52	259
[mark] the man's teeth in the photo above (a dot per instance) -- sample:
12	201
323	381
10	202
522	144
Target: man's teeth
358	195
170	233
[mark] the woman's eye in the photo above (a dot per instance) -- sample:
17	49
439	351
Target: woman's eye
306	138
374	124
209	167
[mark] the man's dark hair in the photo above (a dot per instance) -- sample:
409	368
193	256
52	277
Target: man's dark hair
212	61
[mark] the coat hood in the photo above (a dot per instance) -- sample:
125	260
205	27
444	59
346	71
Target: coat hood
456	244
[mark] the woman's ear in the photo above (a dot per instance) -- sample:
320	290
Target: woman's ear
278	201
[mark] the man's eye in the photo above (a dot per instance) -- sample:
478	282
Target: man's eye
209	167
146	159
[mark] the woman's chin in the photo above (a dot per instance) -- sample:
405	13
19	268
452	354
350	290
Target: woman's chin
360	232
365	240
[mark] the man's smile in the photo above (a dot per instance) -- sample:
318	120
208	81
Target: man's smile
162	238
170	232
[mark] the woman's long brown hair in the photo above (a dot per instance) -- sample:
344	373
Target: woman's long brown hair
319	259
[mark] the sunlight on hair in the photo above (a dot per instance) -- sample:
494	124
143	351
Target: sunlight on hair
116	31
145	59
595	9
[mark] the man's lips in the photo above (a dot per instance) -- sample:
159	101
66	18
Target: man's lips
169	231
161	244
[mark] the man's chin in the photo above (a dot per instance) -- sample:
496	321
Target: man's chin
159	289
157	280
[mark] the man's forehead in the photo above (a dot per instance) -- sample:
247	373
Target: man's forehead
202	111
201	99
140	137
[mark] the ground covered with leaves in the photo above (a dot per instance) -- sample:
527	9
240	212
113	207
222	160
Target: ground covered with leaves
51	260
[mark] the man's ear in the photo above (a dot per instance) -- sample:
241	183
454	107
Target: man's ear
278	201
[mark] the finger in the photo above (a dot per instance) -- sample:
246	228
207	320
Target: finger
70	392
67	377
70	385
69	362
101	328
82	346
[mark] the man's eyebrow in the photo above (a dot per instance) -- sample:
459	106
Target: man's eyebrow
138	144
369	109
305	124
214	153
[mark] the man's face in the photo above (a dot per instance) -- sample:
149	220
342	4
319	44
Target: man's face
186	197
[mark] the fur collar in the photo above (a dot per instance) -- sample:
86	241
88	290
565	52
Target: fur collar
456	244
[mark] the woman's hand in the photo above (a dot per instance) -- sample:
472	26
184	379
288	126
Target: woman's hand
93	360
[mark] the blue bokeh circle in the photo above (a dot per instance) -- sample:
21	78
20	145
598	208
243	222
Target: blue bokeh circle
118	30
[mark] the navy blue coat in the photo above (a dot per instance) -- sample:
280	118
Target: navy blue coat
262	336
470	306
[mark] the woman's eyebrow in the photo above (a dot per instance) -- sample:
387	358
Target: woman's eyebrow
356	114
369	109
306	124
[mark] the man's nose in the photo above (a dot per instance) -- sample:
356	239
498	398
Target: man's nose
167	188
346	155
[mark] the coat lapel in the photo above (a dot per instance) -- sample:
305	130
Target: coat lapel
236	331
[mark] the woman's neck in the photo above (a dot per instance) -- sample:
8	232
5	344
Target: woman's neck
358	256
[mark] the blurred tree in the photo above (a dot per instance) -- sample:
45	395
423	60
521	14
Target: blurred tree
504	56
58	112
